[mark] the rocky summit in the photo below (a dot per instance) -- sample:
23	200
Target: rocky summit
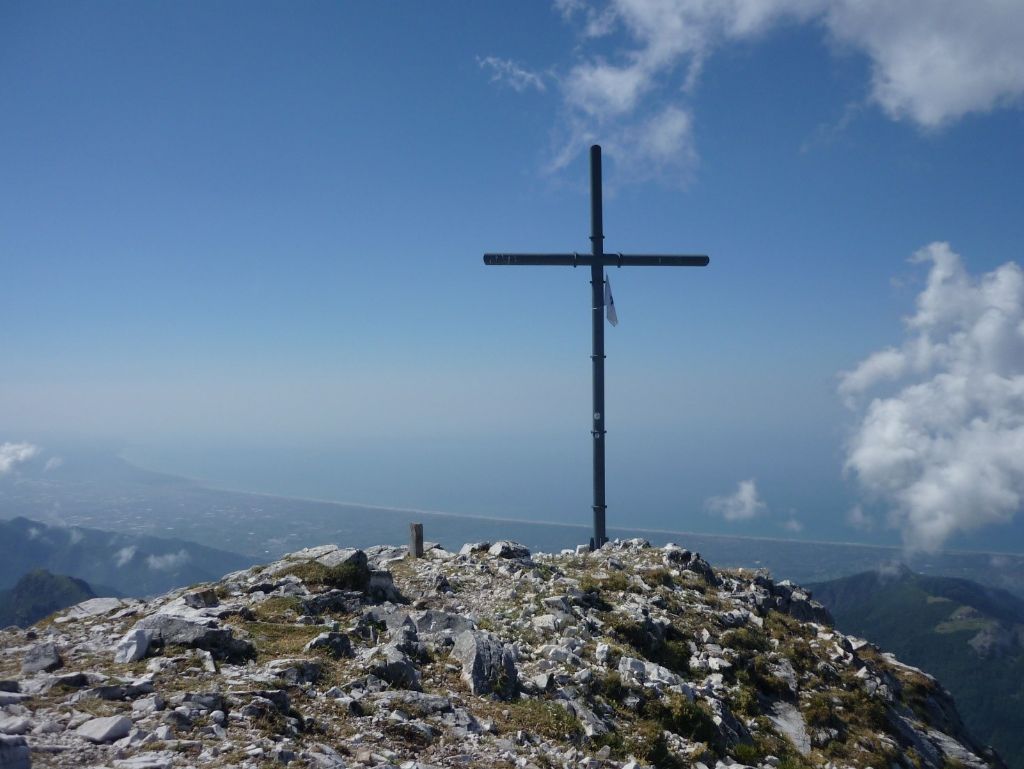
631	656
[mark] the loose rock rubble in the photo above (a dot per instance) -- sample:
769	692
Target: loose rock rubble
628	657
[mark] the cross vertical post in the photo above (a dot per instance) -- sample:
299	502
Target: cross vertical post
597	261
597	346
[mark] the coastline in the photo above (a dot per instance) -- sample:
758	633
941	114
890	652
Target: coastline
899	551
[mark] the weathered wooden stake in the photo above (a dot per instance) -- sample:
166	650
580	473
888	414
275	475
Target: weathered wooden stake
416	539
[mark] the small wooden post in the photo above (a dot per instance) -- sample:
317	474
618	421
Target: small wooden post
416	540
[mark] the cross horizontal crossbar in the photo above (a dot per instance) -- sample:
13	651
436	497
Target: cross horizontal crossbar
605	260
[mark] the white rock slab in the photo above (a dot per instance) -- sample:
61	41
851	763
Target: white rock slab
93	607
133	646
14	725
101	730
787	719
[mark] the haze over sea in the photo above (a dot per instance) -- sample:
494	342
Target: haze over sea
270	523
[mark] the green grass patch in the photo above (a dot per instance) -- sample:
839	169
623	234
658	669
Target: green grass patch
274	640
647	742
345	576
677	714
819	711
616	581
544	718
278	608
660	577
747	639
672	651
611	687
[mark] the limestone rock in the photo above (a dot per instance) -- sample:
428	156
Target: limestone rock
431	622
333	600
163	759
200	634
336	644
348	556
41	657
508	549
395	667
296	671
790	722
488	665
103	730
14	724
381	586
201	599
94	607
580	644
133	645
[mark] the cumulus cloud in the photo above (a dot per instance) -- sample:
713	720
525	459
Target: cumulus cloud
125	555
741	505
858	519
53	463
931	62
793	525
890	570
13	454
934	61
940	437
512	74
169	561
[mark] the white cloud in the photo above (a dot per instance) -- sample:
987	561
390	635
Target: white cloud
741	505
941	442
169	561
52	464
632	99
661	145
793	525
858	519
124	555
884	364
13	454
889	570
1000	561
932	62
512	74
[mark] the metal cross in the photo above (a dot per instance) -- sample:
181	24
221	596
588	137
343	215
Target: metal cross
597	260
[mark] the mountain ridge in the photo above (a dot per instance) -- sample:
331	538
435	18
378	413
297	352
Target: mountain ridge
336	657
130	564
970	636
38	594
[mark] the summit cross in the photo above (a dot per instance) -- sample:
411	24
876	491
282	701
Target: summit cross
597	260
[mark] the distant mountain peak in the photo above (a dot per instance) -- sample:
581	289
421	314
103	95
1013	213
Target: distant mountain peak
38	594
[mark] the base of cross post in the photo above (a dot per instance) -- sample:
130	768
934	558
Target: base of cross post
599	537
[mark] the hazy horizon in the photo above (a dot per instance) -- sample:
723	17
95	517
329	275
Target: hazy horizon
243	243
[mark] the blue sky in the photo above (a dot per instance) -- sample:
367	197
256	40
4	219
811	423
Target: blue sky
242	241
